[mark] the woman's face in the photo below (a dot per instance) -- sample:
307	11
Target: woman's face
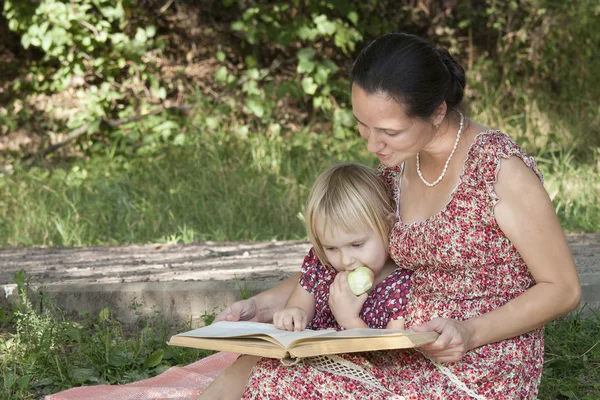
390	133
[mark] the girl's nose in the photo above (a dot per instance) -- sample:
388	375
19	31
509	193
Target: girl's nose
347	259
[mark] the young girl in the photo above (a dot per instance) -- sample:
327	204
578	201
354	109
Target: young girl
349	215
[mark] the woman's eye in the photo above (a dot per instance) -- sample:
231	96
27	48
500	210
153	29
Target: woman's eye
391	133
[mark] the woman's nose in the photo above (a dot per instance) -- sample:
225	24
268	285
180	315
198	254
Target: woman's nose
374	145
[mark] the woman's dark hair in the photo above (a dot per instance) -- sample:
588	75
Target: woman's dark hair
411	71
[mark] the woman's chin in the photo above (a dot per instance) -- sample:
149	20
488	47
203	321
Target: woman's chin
389	162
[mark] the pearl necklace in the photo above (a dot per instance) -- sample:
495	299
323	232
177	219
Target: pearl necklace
460	128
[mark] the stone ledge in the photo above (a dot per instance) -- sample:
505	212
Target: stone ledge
187	281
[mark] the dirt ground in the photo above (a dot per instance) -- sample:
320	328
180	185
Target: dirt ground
201	261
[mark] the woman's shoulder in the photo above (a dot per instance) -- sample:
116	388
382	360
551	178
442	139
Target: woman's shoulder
490	147
391	178
496	141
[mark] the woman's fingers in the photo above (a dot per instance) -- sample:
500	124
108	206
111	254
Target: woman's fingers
243	310
450	345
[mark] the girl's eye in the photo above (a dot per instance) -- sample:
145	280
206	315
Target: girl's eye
357	244
329	248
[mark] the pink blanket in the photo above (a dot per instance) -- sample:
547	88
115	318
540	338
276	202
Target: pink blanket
177	383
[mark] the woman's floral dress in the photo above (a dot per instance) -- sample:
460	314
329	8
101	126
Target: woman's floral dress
464	266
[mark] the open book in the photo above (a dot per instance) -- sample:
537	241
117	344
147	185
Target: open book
265	340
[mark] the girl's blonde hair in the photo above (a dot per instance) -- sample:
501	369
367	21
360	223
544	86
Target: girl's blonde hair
350	197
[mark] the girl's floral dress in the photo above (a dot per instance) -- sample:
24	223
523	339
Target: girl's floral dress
385	302
464	266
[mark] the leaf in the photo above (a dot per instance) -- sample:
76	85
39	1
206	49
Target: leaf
179	139
104	314
23	382
309	86
237	26
255	107
305	60
324	26
221	75
117	360
353	17
568	393
46	42
13	25
150	31
140	35
250	61
162	368
83	375
73	333
154	359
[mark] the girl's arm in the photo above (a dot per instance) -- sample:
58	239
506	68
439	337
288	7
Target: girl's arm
526	216
298	312
396	324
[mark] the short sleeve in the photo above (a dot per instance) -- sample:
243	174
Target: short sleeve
490	148
391	178
313	272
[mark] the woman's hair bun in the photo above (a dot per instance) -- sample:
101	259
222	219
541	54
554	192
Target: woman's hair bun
456	89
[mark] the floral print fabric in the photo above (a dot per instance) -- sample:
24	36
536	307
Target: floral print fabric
385	302
464	266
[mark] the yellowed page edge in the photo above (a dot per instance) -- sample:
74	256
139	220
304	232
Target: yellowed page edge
354	345
255	347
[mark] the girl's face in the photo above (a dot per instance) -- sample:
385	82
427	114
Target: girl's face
390	134
347	251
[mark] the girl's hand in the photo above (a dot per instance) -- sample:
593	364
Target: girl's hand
290	319
345	305
454	341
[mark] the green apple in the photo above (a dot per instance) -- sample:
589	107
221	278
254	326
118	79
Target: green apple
360	280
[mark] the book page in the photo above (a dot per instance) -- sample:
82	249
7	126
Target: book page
228	329
354	333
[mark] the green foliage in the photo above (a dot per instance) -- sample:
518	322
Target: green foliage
92	49
572	358
45	352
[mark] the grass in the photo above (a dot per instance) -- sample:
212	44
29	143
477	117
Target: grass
572	358
215	189
49	351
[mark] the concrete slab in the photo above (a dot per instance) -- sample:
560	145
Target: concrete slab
187	281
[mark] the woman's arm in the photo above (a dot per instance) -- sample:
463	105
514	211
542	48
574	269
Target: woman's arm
261	307
526	216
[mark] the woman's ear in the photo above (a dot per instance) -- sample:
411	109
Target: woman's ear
439	114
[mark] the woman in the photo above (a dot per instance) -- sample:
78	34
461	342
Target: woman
491	263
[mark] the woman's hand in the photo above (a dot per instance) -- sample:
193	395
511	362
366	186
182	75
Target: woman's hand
345	305
454	340
243	310
291	319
